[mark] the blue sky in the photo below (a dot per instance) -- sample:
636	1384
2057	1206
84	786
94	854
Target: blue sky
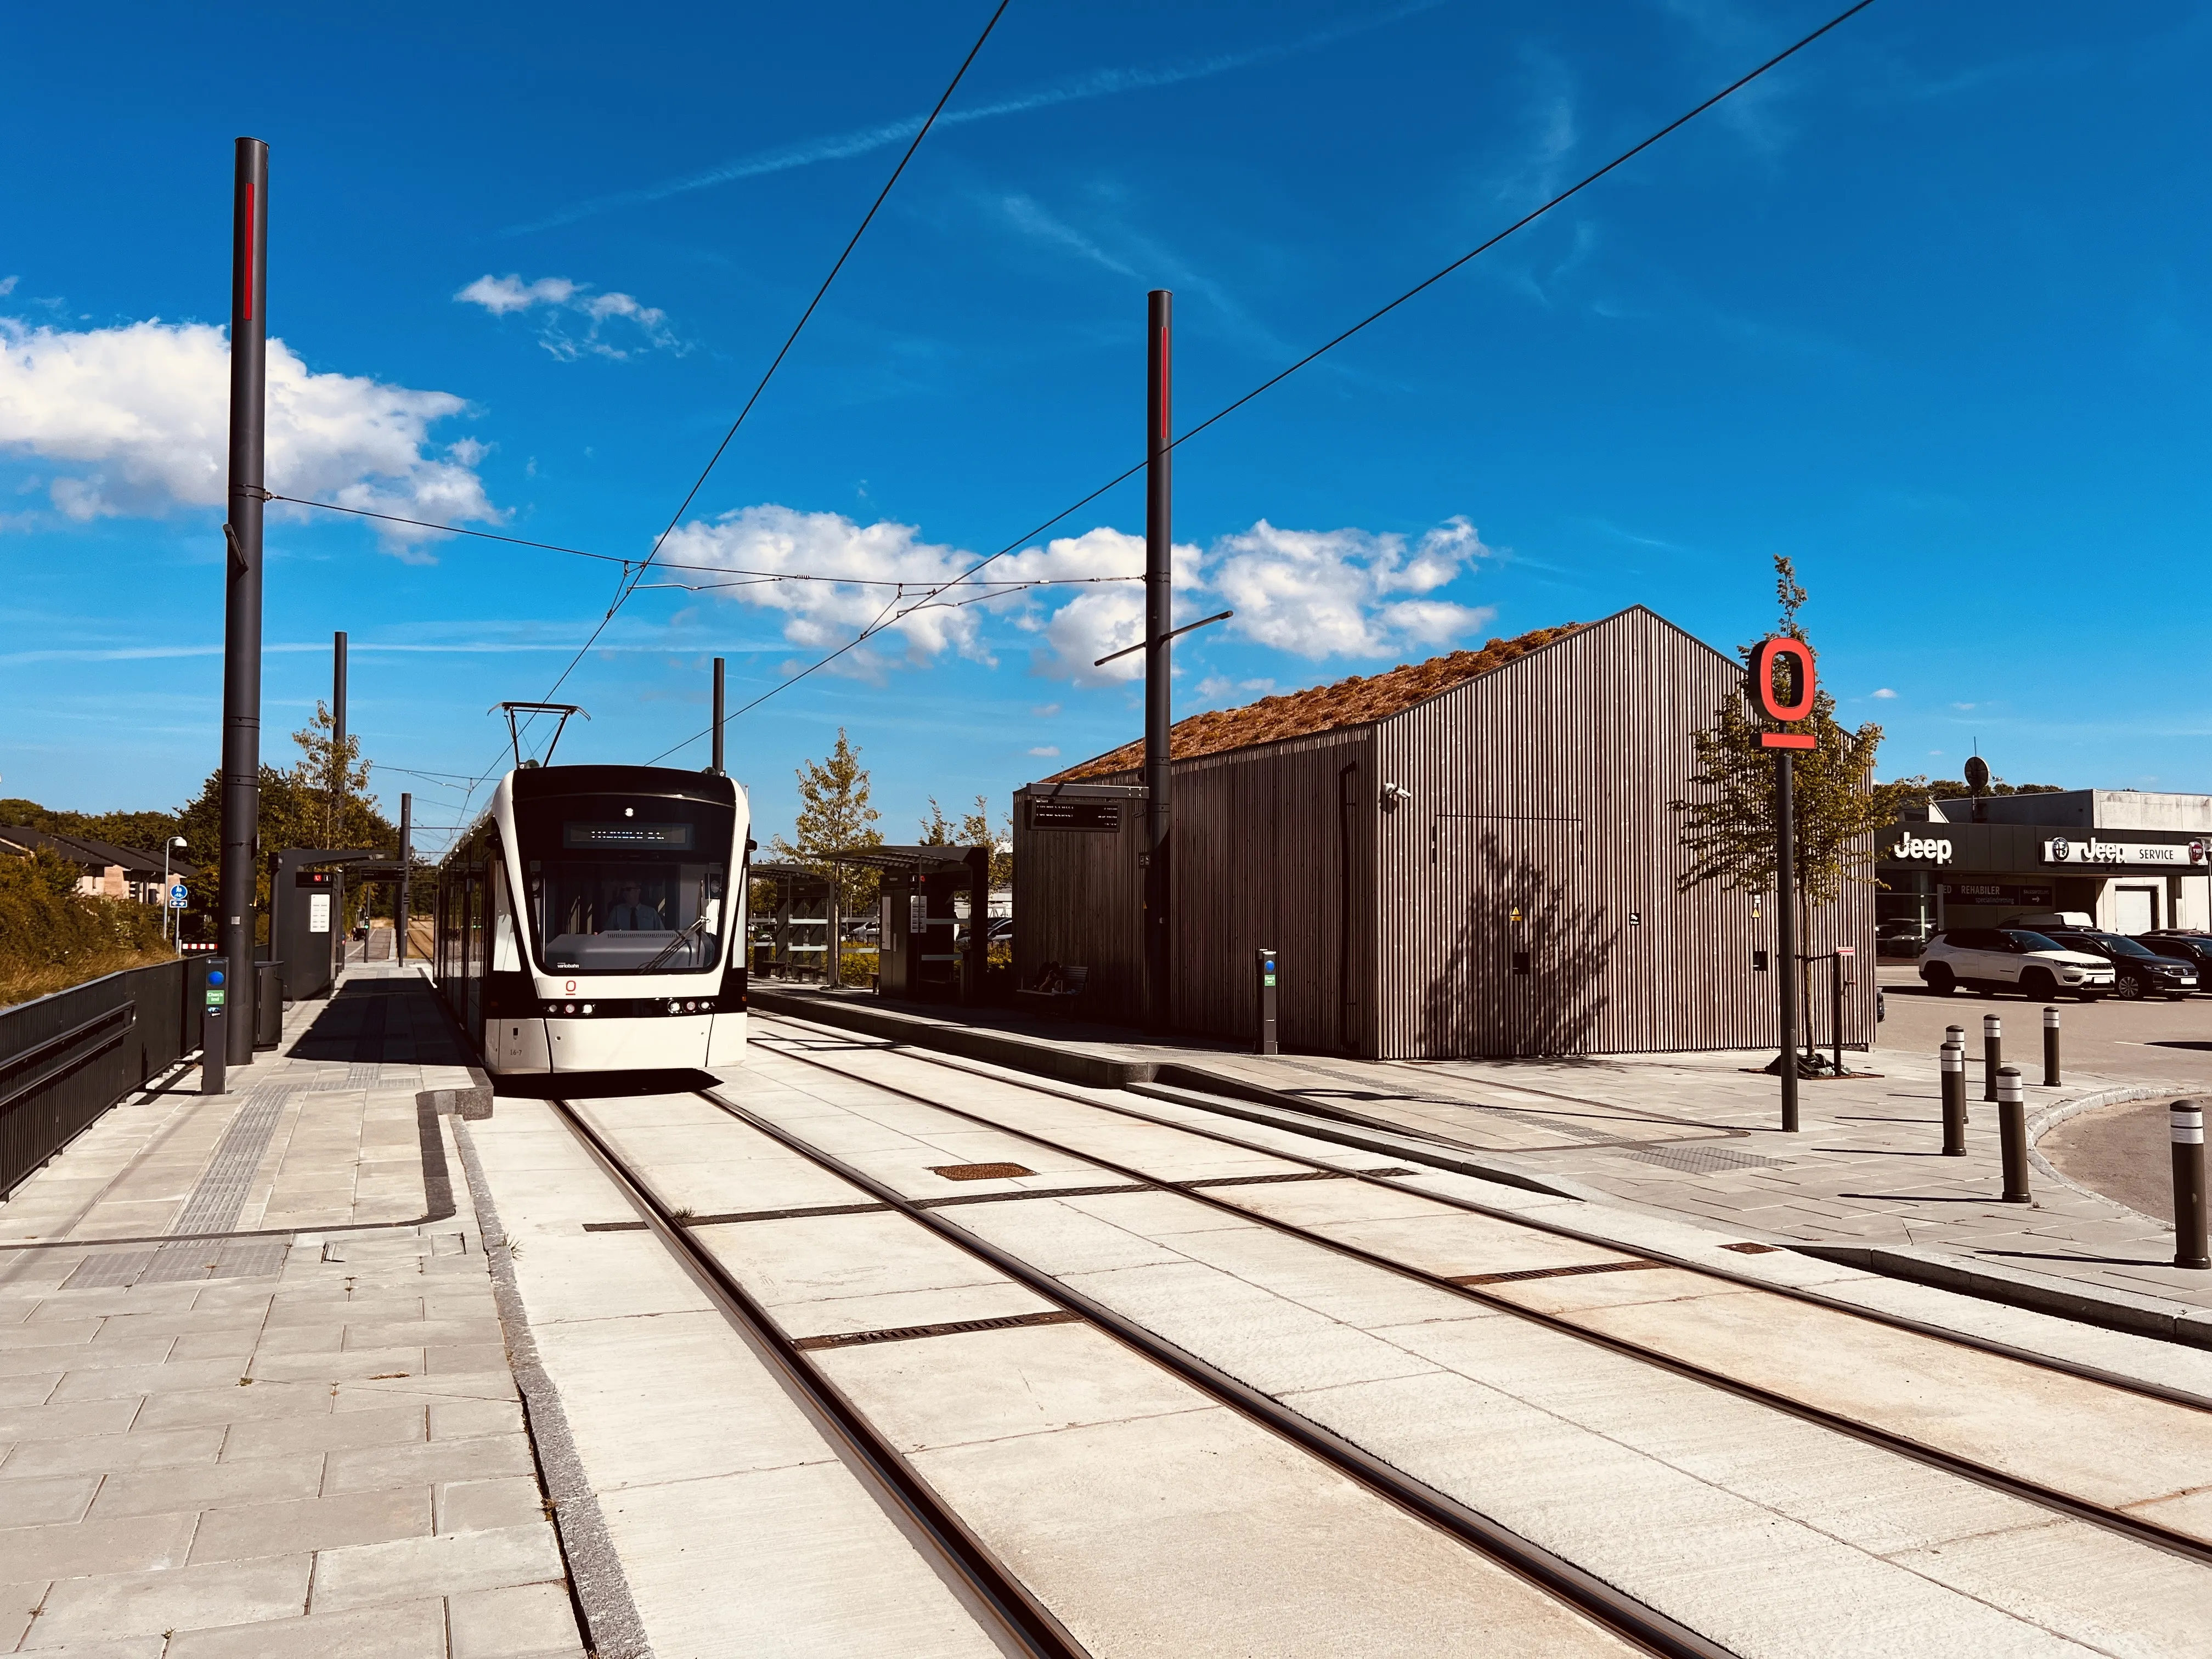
1923	310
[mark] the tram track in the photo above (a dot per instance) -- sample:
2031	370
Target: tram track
1025	1622
1018	1621
2137	1528
1280	1121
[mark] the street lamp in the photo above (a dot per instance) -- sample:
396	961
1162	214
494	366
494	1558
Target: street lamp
174	841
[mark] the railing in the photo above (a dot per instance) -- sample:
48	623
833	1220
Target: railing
65	1059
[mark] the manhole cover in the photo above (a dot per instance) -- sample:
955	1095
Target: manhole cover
979	1171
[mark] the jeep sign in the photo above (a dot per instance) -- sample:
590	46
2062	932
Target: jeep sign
1920	847
2059	850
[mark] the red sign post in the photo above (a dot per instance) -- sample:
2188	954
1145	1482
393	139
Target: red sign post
1781	689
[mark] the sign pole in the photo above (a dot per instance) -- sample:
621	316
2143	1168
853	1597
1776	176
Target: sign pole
1786	926
1159	623
1792	659
406	868
242	620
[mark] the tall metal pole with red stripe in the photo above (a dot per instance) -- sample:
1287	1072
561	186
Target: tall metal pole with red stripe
241	619
1159	613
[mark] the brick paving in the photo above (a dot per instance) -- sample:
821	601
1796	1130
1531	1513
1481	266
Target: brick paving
302	1441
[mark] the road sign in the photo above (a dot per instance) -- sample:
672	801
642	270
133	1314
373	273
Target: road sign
177	895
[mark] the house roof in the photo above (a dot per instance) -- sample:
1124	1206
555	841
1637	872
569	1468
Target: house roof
1359	701
94	855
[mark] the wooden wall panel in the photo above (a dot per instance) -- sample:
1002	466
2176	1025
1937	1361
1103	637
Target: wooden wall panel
1077	900
1596	730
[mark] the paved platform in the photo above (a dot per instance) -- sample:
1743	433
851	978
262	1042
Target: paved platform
255	1396
1698	1137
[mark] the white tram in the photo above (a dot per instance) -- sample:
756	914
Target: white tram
592	920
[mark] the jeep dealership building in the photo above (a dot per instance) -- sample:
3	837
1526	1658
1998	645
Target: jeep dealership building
2133	860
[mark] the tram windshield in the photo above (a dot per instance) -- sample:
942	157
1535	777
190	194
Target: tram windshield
626	886
626	916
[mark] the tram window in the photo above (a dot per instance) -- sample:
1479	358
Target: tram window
626	915
506	957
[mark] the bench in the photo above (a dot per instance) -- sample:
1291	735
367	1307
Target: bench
1057	987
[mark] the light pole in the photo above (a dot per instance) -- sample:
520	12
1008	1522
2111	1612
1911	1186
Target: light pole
167	908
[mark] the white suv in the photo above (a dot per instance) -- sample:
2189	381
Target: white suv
1993	959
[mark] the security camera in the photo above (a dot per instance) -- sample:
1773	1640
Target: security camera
1393	794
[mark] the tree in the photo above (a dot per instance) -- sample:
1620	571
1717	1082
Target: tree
975	831
835	817
1728	820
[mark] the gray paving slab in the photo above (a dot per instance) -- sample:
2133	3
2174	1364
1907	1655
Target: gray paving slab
264	1446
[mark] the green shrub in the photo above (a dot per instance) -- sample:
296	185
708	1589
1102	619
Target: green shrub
52	936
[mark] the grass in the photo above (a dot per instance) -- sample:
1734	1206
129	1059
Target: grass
25	982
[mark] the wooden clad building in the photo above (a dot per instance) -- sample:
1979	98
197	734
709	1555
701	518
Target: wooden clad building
1468	856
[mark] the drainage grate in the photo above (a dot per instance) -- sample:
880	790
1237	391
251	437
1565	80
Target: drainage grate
1703	1160
1554	1273
110	1270
957	1327
1752	1249
979	1171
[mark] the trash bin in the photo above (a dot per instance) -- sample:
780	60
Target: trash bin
268	1004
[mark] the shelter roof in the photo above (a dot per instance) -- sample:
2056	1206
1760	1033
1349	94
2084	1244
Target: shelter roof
909	860
1359	701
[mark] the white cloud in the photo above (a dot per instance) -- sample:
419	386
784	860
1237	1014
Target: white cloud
1046	751
144	411
1885	693
504	295
1316	593
6	286
1331	593
1045	710
822	614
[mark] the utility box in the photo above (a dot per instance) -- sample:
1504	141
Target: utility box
305	931
268	1005
1264	975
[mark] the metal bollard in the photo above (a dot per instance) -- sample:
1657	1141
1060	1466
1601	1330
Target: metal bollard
2051	1047
1956	1036
2186	1122
1954	1099
2012	1136
1992	1054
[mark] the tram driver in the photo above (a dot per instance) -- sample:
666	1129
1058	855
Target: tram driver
630	914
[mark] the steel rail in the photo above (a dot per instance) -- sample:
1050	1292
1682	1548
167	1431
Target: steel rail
2136	1527
1023	1622
1613	1610
1198	1100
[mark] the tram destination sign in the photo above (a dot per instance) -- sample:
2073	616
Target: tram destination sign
630	833
2173	855
1075	812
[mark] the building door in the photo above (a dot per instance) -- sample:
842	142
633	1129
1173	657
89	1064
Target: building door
2135	910
1522	975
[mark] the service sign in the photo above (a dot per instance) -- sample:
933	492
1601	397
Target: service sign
2168	855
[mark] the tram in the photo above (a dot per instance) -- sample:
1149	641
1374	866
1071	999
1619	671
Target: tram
592	920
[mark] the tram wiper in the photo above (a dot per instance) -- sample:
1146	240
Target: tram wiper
669	948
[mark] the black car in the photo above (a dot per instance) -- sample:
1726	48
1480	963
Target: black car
2194	947
2139	970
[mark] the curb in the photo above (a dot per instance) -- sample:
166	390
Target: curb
2052	1117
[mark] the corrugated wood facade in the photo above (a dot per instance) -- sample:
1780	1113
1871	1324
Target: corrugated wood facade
1521	902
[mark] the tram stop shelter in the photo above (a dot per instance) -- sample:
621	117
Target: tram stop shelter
918	957
803	924
306	912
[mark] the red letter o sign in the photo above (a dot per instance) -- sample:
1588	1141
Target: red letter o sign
1763	664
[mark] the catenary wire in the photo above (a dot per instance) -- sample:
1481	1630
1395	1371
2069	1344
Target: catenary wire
1328	346
630	580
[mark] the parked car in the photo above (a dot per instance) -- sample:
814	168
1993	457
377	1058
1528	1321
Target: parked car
2194	945
1993	959
2142	972
1899	939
